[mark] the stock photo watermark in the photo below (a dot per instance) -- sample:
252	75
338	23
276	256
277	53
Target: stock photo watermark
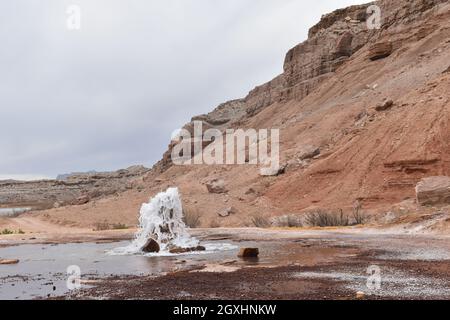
374	280
73	21
74	278
234	147
373	17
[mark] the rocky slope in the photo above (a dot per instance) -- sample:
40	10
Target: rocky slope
364	115
74	190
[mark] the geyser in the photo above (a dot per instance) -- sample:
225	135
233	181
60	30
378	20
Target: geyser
161	226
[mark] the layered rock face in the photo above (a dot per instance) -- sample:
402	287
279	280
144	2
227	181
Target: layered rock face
331	42
74	190
357	95
380	50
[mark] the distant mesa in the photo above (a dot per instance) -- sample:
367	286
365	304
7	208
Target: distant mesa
65	176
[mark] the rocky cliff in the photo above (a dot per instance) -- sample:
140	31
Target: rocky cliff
75	189
364	115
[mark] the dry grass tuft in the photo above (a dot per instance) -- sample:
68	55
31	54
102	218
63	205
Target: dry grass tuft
191	217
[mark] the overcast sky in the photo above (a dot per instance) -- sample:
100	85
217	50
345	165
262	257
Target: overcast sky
109	95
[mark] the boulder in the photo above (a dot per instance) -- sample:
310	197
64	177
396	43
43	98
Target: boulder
380	50
385	105
81	200
273	172
248	253
216	186
433	191
227	212
152	246
308	152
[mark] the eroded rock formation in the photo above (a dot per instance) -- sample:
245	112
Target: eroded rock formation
75	189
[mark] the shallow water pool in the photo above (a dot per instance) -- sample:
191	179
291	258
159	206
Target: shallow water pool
42	270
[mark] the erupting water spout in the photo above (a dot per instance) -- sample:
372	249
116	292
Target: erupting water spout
161	221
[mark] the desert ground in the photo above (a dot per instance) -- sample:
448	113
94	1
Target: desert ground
294	263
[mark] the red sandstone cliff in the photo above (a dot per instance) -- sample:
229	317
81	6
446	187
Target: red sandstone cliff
331	98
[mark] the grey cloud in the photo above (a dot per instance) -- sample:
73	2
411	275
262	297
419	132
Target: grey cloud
109	96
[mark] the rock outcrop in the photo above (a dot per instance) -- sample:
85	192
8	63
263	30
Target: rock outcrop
308	152
380	50
216	186
75	189
331	42
385	105
433	191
